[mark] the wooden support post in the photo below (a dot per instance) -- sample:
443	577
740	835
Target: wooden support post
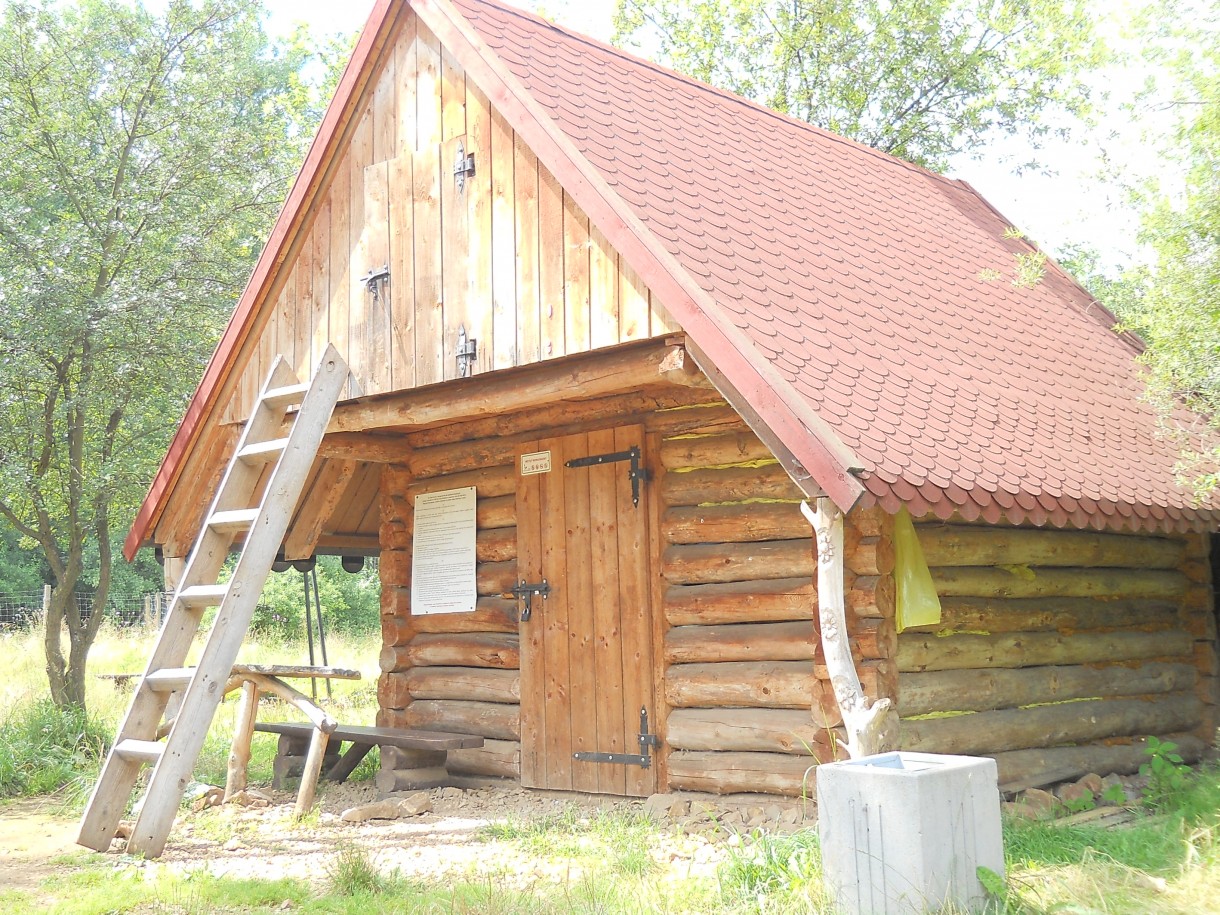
313	768
870	728
239	755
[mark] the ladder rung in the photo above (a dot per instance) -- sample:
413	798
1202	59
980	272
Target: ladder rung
169	679
240	519
287	396
263	452
202	595
148	751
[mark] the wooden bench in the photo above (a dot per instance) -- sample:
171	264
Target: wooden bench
362	740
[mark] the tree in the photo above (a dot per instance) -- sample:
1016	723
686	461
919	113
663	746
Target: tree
144	159
1171	296
1178	314
923	81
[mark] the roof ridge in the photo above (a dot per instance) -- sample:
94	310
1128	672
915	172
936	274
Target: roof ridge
724	94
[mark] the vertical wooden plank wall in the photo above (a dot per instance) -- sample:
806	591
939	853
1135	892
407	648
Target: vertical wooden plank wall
510	257
1059	649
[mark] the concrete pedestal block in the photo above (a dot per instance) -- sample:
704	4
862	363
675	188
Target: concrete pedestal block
904	833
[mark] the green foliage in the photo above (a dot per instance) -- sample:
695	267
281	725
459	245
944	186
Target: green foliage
351	603
21	571
45	748
993	883
146	158
922	81
1165	771
780	868
353	872
617	838
1172	301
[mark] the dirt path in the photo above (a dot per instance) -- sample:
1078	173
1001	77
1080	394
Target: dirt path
236	841
34	840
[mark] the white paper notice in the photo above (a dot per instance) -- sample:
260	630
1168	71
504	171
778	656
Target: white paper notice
442	565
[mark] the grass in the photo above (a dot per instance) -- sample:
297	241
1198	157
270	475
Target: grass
45	750
588	862
618	840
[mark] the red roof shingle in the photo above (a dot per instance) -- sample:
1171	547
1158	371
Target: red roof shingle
882	293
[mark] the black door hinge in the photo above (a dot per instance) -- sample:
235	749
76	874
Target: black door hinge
648	742
636	474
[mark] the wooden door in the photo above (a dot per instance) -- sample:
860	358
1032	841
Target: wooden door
586	651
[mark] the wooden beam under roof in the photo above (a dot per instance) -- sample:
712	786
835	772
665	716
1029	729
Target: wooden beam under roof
634	367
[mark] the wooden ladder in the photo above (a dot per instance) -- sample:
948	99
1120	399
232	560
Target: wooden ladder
200	688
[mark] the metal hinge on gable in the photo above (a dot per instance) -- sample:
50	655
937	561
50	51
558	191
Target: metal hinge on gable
463	167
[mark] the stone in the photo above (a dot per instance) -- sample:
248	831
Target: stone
1093	782
389	809
660	807
213	797
1076	796
1039	804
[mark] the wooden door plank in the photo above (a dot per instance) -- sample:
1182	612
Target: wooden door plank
557	755
607	695
575	276
529	568
603	291
401	355
636	602
651	593
582	658
525	206
504	245
479	214
379	307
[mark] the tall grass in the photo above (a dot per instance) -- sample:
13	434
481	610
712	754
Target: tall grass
44	750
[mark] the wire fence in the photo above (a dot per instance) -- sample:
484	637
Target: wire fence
24	611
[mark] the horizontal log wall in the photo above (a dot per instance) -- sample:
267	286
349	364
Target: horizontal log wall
1058	649
747	703
455	672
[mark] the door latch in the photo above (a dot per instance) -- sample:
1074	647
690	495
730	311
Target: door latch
528	590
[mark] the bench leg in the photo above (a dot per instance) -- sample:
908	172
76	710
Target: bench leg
348	762
313	768
239	755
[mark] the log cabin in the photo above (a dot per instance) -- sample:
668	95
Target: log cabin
696	366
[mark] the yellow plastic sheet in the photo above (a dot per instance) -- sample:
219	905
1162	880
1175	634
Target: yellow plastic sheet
918	603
